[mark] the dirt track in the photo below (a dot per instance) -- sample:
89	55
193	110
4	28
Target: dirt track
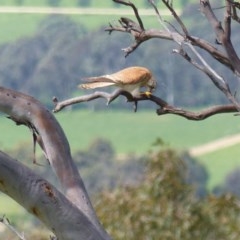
215	145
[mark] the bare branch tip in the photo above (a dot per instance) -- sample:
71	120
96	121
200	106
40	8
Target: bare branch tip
55	100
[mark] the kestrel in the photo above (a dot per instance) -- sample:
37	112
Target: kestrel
129	79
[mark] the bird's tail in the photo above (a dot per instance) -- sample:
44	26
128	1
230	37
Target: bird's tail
93	85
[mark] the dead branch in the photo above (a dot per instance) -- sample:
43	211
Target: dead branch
4	220
173	12
85	98
234	3
223	34
217	80
140	35
197	116
234	7
134	9
185	39
235	16
165	108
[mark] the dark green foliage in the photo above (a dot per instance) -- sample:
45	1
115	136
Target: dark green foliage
54	3
19	2
195	175
232	182
100	168
84	3
164	207
230	185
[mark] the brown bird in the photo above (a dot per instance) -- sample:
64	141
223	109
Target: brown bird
129	79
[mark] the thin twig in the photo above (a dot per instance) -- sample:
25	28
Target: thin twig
175	15
235	16
234	4
7	223
160	19
134	9
208	68
176	36
218	80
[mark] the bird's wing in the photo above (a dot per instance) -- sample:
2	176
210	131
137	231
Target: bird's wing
127	76
133	75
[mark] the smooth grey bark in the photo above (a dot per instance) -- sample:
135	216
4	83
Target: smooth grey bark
26	110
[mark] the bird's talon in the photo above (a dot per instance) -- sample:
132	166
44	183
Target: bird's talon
147	94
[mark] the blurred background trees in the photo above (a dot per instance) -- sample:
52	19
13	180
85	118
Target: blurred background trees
163	193
164	206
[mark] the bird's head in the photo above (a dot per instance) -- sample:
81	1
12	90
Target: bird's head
152	84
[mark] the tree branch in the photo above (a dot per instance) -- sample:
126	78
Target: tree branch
44	201
26	110
235	15
85	98
175	15
197	116
7	223
223	35
184	39
217	80
234	4
165	108
135	11
129	26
